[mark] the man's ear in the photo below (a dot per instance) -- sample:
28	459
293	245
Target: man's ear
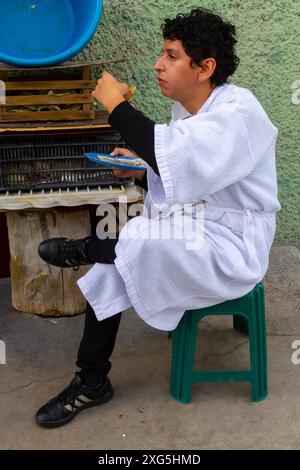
207	69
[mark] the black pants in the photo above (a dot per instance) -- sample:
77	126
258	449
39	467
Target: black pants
99	337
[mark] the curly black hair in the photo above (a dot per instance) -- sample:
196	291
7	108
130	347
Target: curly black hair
204	34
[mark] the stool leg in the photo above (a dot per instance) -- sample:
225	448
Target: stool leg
240	323
184	344
178	346
262	342
190	349
258	348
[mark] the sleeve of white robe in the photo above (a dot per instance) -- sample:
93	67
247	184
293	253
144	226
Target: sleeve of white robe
201	155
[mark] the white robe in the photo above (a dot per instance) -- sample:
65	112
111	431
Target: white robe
222	157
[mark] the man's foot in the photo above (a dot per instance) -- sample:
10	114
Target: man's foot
76	397
65	252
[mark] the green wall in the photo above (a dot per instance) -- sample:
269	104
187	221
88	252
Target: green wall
269	49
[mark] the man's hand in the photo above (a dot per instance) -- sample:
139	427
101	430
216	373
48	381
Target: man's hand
109	92
138	174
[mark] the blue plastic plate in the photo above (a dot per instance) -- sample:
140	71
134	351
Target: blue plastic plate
118	161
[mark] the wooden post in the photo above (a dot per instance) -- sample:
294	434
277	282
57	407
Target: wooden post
37	287
4	260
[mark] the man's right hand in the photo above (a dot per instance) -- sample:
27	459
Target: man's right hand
138	174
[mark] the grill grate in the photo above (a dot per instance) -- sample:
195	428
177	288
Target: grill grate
44	163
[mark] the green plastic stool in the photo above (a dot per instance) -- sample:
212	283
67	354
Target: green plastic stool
249	318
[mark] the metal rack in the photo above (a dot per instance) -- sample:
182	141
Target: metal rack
44	163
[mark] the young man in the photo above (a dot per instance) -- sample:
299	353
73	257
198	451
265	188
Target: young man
218	151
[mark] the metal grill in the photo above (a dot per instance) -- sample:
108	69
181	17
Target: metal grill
44	163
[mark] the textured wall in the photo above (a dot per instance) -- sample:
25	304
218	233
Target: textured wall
269	49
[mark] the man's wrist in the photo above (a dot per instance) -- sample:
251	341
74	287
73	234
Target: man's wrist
113	101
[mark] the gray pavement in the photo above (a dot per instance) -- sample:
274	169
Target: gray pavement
40	362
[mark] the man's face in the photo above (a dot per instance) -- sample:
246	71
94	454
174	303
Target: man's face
175	75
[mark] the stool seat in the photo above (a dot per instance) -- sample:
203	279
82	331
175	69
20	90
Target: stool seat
249	318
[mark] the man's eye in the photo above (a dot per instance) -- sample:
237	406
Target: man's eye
172	56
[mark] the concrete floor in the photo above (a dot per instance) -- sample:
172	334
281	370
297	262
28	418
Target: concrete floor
40	363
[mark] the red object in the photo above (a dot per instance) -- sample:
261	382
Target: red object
4	248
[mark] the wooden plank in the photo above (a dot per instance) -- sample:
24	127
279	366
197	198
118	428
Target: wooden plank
50	85
19	128
48	99
46	116
3	75
11	129
65	65
86	76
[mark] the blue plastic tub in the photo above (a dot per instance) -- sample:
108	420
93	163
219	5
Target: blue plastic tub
36	33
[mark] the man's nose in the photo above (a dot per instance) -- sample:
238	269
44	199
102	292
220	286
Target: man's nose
158	65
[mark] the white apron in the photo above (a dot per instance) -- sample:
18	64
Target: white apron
223	158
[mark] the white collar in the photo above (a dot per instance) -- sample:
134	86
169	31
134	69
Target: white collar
179	112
